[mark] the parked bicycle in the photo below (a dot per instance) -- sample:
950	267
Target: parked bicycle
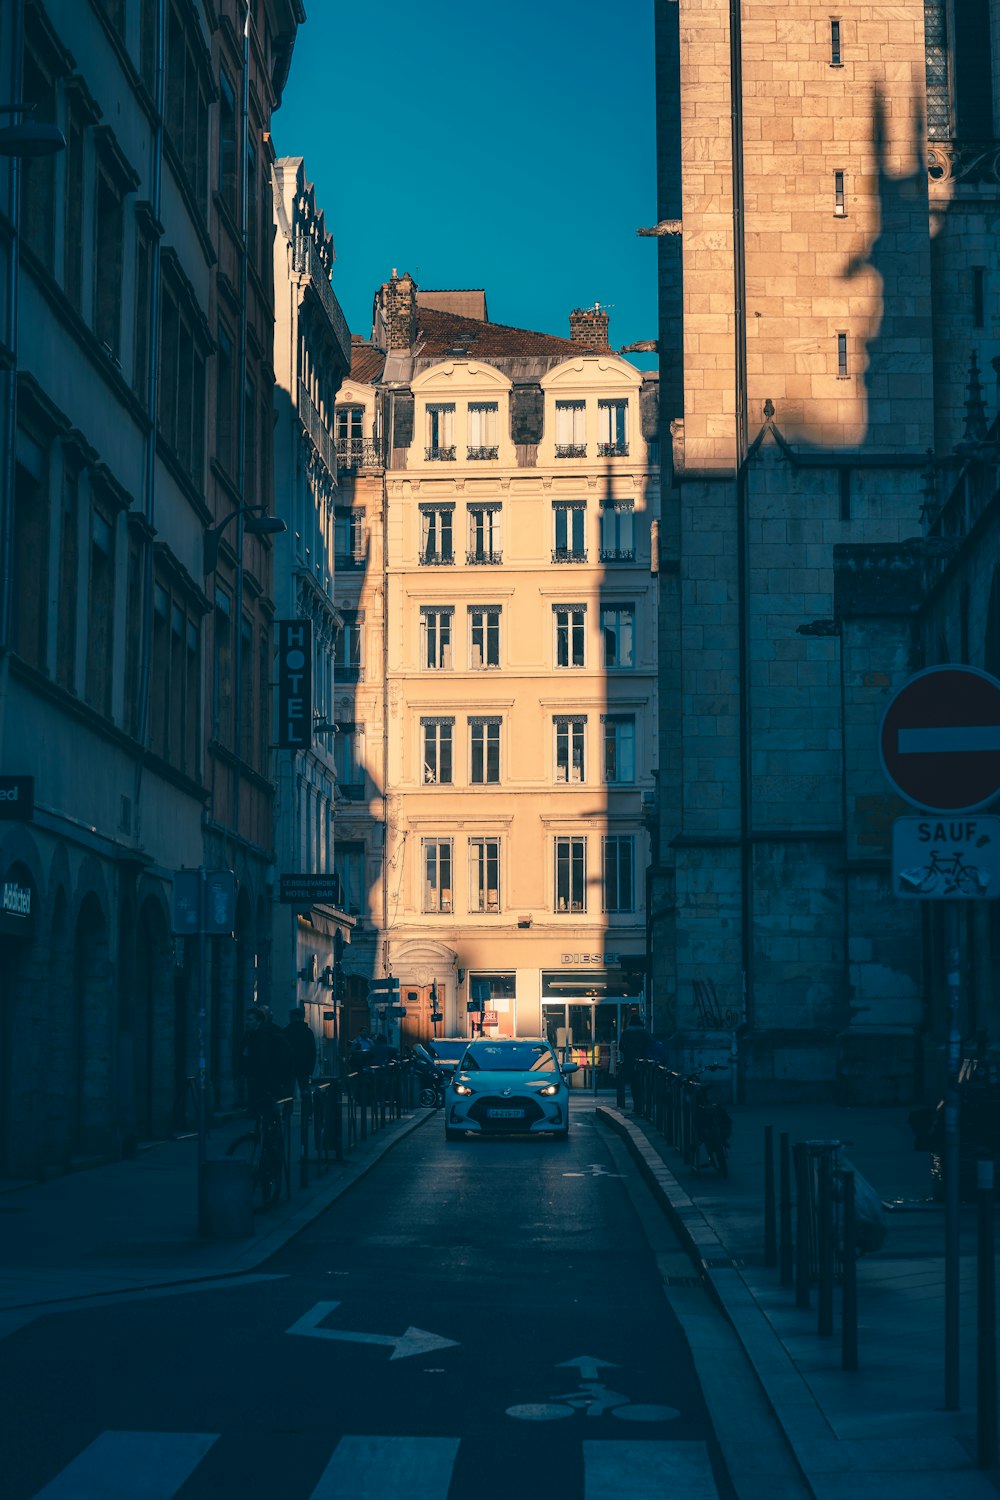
264	1148
429	1076
711	1124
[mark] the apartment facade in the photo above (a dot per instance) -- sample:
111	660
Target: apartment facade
135	651
826	186
515	609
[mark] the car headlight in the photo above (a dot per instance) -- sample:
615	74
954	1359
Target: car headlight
460	1088
550	1089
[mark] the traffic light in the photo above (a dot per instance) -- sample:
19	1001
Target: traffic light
339	982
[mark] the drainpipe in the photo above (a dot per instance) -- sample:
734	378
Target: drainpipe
10	378
241	443
742	490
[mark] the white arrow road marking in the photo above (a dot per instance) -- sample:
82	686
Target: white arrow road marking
413	1341
588	1365
963	738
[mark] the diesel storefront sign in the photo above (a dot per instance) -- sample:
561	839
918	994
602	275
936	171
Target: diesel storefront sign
294	684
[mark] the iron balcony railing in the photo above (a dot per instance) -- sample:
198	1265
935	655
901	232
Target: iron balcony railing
569	554
354	560
440	455
612	450
483	555
571	450
317	430
437	558
484	453
357	453
617	554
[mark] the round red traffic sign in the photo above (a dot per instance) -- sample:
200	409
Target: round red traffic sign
940	739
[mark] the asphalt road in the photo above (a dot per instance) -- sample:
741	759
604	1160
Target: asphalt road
472	1321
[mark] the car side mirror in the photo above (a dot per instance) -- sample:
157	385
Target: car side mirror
570	1067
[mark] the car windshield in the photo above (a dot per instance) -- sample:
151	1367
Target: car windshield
510	1057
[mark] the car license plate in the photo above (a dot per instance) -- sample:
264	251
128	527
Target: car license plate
505	1114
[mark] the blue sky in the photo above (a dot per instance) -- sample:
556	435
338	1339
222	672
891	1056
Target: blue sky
507	147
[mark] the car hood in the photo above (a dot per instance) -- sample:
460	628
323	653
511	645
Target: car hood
490	1082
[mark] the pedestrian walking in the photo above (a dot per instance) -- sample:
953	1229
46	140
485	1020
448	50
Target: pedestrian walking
267	1061
635	1044
300	1038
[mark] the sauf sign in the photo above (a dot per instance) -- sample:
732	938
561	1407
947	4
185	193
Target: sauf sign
295	684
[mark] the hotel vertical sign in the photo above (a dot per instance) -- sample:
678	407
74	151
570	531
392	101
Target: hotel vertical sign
295	684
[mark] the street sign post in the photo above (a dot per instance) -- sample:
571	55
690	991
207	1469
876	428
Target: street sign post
940	739
939	743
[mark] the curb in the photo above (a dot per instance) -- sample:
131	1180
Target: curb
788	1395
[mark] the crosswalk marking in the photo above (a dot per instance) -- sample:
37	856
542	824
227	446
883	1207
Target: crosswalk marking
647	1471
383	1468
130	1466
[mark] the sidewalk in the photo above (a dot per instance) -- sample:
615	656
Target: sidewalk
881	1430
133	1225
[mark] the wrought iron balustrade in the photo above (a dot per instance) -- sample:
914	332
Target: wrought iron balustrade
617	554
571	450
440	455
612	450
317	430
483	555
436	558
357	453
569	554
484	453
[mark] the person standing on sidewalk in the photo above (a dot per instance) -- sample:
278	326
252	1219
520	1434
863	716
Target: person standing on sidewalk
635	1043
267	1061
303	1044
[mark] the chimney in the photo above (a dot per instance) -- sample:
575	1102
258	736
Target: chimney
588	327
398	299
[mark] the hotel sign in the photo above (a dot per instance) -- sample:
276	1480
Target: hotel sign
295	710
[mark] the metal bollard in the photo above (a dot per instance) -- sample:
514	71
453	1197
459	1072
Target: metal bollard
305	1114
801	1226
849	1307
785	1209
770	1223
986	1349
824	1301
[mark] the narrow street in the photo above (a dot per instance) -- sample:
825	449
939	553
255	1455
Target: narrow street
477	1319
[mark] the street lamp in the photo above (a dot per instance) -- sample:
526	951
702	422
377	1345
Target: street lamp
253	525
29	137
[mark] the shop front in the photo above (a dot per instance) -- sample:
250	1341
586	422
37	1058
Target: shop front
584	1013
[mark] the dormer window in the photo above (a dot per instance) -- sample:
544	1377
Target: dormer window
571	429
441	432
483	420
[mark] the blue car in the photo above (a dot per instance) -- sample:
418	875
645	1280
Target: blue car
508	1086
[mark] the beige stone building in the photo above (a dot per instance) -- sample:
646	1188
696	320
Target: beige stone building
499	671
827	198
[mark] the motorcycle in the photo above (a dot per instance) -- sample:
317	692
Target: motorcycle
429	1077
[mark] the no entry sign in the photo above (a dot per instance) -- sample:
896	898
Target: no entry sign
940	739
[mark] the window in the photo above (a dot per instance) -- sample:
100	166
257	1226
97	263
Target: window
349	538
101	610
619	749
227	144
108	231
441	431
222	705
612	429
69	565
617	875
842	356
483	429
73	202
571	429
618	632
570	520
617	531
147	42
569	623
225	414
141	312
570	875
839	205
435	639
436	751
250	496
30	551
484	875
38	173
181	391
835	58
436	858
348	663
246	676
134	594
253	205
484	636
436	534
349	761
349	865
186	104
484	752
484	534
570	732
349	435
